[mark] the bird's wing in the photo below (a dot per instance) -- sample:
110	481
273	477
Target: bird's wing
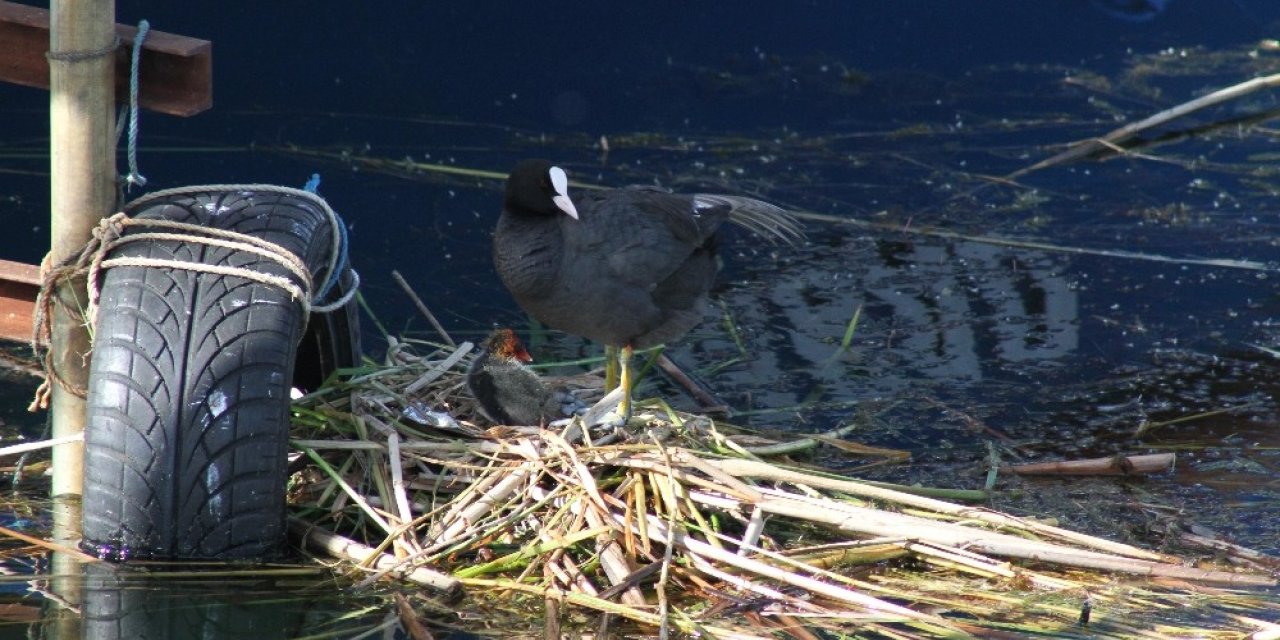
692	219
700	215
644	234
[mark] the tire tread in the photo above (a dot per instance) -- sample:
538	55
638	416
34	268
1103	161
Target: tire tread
189	388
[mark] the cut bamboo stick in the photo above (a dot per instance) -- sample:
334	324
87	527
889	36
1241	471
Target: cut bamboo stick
309	536
762	470
1113	466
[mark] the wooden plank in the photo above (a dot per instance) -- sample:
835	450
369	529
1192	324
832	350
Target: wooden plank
19	284
176	72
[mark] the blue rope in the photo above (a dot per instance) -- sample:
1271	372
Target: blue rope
135	178
341	266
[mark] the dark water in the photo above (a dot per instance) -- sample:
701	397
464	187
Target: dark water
896	114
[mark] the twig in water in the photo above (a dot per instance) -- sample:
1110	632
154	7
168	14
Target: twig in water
422	307
1147	426
364	304
1113	466
845	341
695	388
1248	265
409	620
41	444
731	327
1085	147
801	444
46	544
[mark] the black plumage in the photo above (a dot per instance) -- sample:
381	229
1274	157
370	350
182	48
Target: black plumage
629	268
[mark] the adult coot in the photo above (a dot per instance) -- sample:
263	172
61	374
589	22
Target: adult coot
629	268
508	391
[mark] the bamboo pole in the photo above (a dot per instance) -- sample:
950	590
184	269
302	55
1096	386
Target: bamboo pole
82	182
312	537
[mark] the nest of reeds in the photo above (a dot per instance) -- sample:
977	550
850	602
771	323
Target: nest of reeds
678	523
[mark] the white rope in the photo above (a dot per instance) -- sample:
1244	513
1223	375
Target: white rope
287	285
336	231
110	234
236	241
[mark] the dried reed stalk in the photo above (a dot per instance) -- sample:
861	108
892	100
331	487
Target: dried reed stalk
660	517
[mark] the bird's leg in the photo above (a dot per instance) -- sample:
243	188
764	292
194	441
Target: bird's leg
610	368
624	361
614	408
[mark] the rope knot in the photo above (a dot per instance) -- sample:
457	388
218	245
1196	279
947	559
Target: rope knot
110	228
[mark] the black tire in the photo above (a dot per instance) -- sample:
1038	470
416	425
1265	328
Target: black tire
332	340
188	408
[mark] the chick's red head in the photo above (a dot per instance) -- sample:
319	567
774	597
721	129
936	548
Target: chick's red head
503	343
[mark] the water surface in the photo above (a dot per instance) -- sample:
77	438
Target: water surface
896	117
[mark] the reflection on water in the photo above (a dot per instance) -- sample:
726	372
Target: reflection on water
1064	356
103	601
58	595
941	312
118	604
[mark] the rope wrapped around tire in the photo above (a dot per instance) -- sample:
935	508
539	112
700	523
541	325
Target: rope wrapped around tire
189	387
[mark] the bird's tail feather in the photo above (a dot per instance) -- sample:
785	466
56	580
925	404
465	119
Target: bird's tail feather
768	221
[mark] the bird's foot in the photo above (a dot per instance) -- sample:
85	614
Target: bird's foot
609	412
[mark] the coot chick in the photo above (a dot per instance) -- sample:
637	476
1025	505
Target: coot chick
629	268
508	391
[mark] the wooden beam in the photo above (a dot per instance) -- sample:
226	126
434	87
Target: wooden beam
19	285
176	72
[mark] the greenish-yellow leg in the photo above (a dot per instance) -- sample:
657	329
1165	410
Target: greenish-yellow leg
610	368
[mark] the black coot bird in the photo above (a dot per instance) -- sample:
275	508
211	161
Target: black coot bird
629	268
508	391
